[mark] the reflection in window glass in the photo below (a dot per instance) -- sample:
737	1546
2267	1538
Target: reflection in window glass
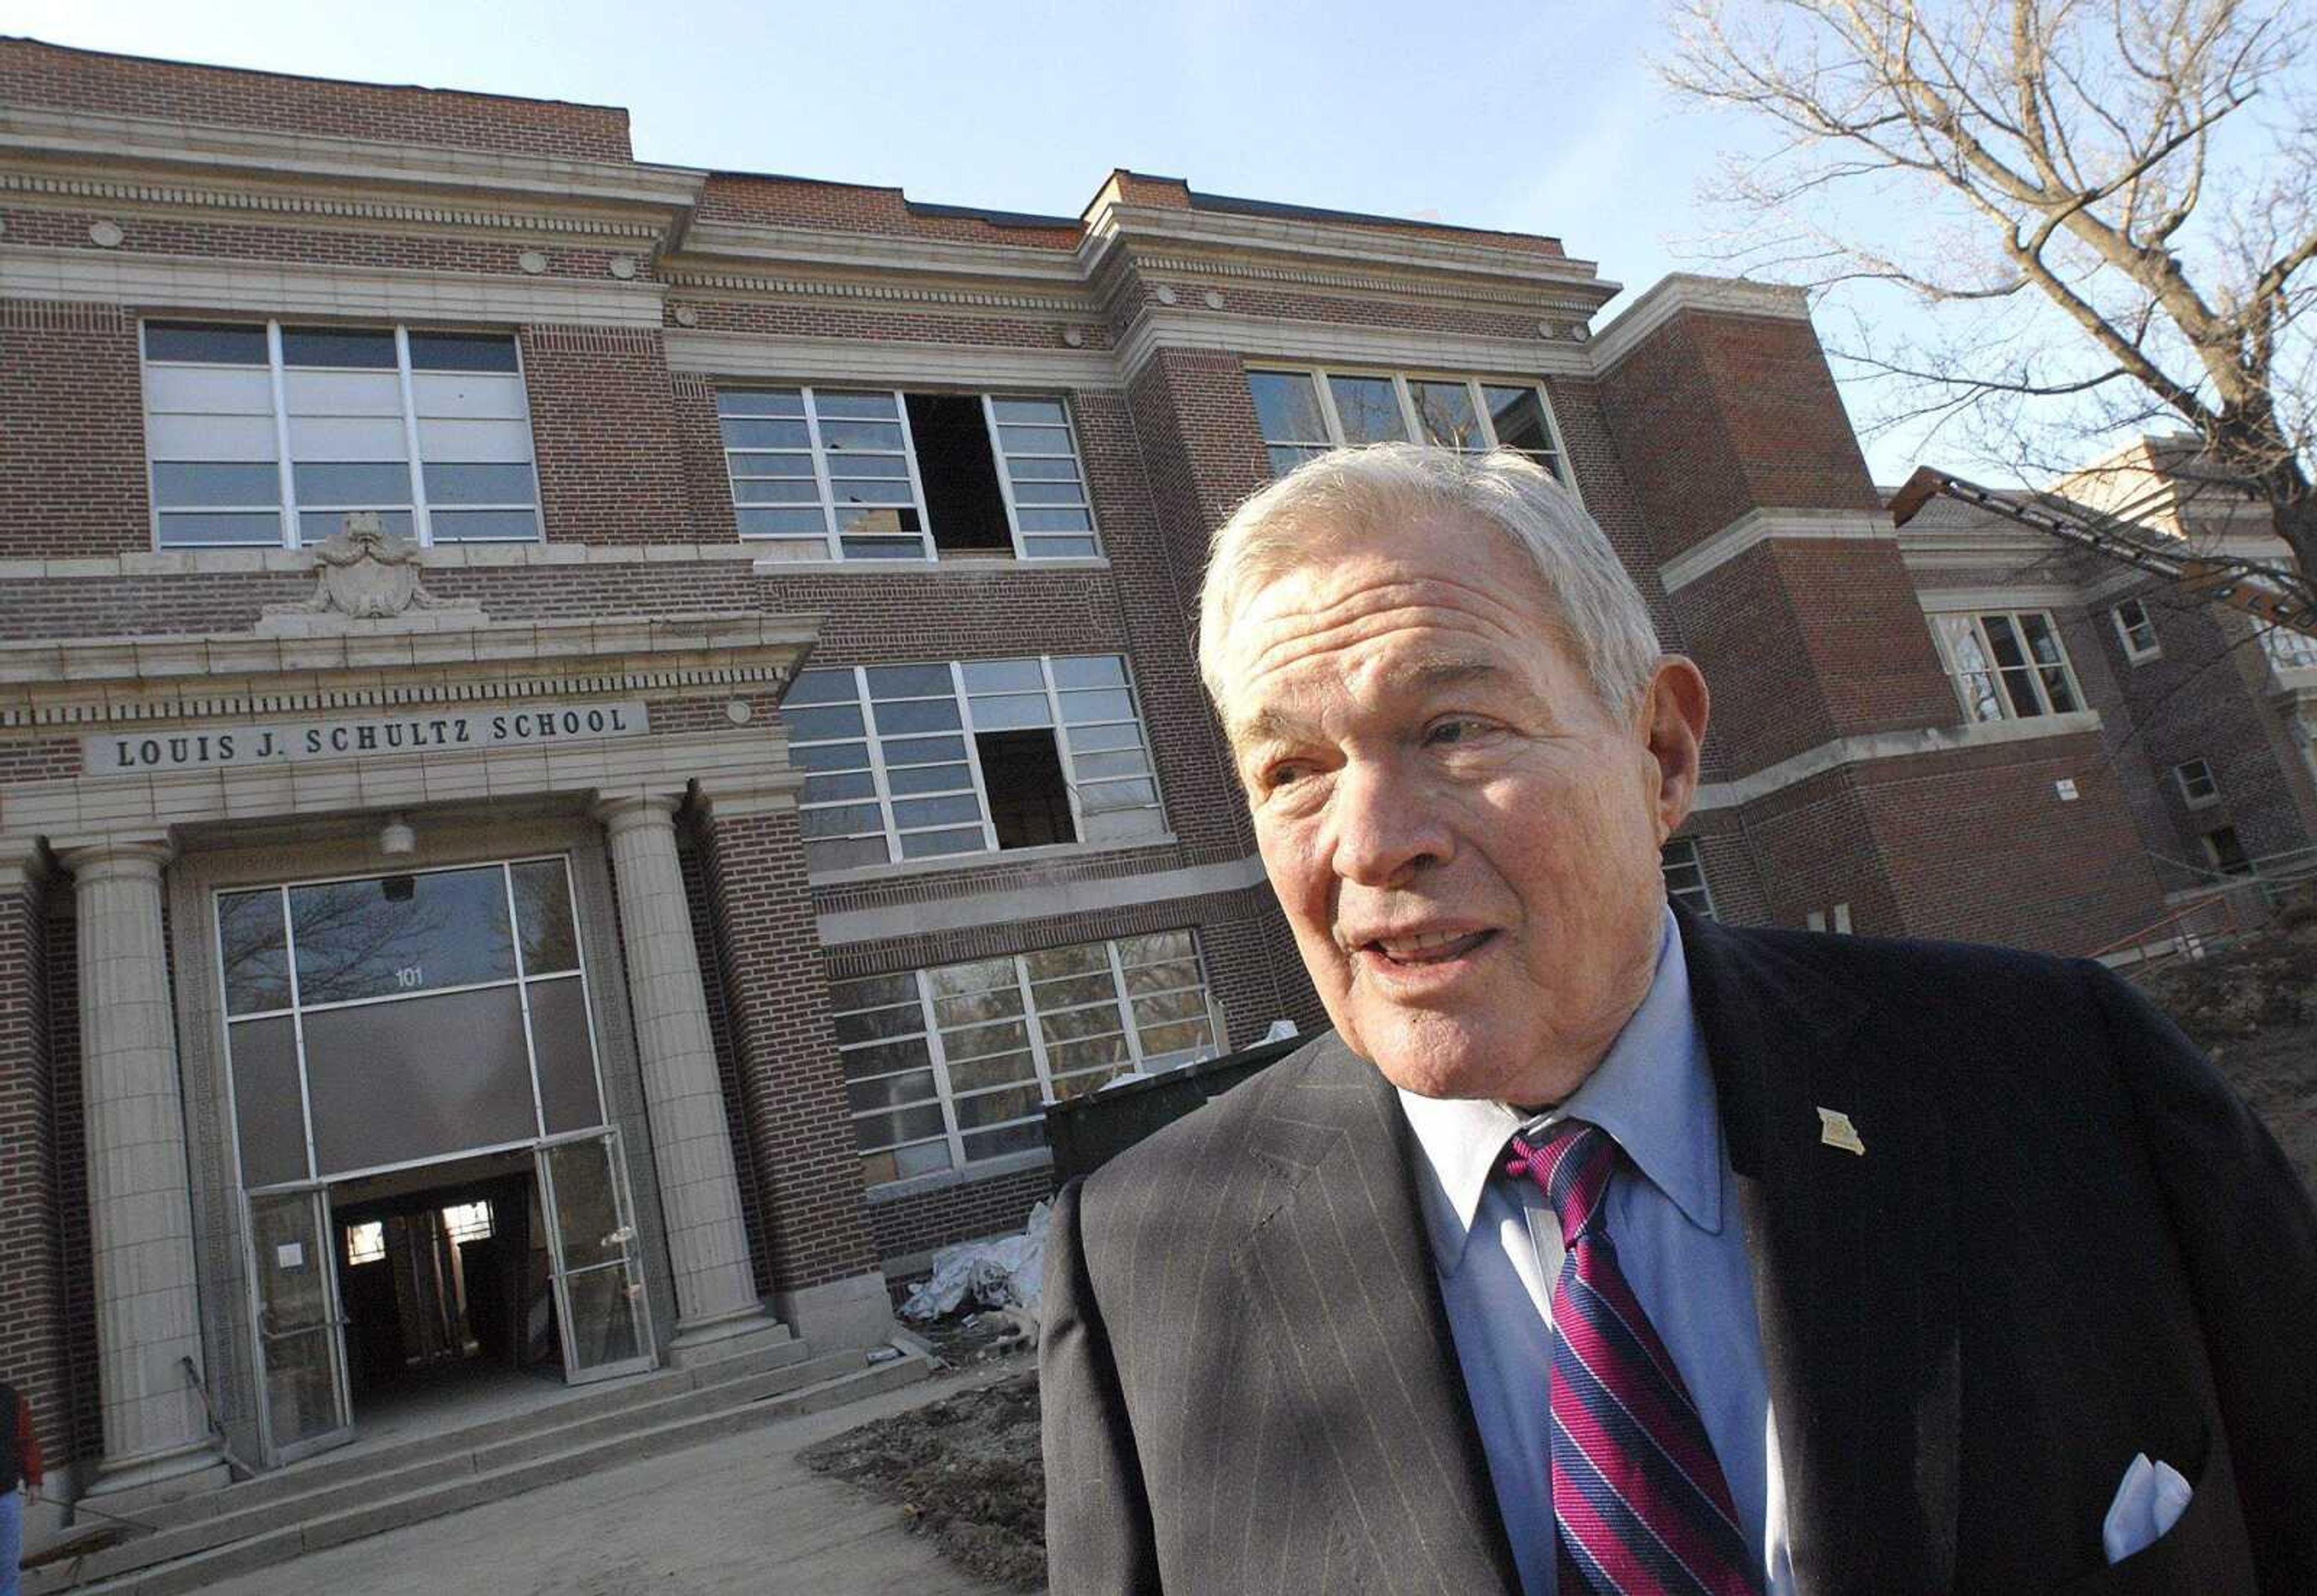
975	1086
2008	665
543	913
1369	409
254	951
1446	413
400	934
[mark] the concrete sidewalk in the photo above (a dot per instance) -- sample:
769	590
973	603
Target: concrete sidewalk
736	1516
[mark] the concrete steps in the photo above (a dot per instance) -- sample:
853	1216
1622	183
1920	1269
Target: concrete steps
329	1501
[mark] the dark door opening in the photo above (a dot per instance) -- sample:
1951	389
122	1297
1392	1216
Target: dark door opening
445	1287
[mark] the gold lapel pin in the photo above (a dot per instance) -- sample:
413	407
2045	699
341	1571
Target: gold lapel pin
1835	1129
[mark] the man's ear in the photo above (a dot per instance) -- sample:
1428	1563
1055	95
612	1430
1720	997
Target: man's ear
1674	713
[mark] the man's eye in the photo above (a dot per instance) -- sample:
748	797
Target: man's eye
1450	732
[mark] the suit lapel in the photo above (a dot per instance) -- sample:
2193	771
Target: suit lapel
1339	1278
1853	1262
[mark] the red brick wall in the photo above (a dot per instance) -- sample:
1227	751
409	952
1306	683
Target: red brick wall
858	207
964	1212
36	73
72	431
420	246
1814	846
777	1000
602	425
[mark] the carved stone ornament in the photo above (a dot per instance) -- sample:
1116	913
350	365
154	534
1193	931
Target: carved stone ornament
362	572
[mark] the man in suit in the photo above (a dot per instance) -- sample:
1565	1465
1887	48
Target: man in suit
1602	1249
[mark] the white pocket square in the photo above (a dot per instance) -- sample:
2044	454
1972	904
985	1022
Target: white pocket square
2147	1504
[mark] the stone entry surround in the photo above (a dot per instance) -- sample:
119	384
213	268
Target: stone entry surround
711	683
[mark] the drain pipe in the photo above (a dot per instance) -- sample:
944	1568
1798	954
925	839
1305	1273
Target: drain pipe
241	1470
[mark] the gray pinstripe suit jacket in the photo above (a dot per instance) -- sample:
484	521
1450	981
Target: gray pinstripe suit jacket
2067	1242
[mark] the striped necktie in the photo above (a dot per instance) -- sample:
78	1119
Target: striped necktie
1639	1502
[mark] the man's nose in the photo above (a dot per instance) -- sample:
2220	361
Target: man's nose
1385	826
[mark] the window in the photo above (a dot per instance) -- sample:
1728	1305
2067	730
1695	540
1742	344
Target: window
1303	414
2007	666
2225	852
2137	631
832	474
917	761
263	434
467	1222
1683	868
2289	650
947	1067
365	1243
2198	790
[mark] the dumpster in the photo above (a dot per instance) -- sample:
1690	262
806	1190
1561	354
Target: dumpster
1088	1132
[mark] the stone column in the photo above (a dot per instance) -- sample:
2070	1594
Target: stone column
700	1191
139	1208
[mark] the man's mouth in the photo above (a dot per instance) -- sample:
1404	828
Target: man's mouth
1426	948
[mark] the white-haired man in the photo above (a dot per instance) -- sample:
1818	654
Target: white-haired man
1602	1250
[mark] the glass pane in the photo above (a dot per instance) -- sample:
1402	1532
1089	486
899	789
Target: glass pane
1003	676
1090	670
1097	706
254	951
821	686
301	1388
184	340
1369	409
542	915
929	778
565	1057
997	1106
1032	468
923	750
1173	976
1518	415
1170	1005
1053	520
2019	687
1042	547
972	1042
760	401
1049	493
951	810
1123	737
870	490
353	485
194	485
776	491
1175	1038
586	1204
292	1293
885	1058
873	1025
1014	1138
2002	642
2056	688
202	531
1047	962
485	526
930	845
337	347
855	406
926	1157
1034	440
449	483
1156	948
1287	407
886	1128
838	719
764	433
1036	412
981	975
848	819
998	1068
1286	459
789	467
890	1091
395	1082
1444	411
908	681
1066	1058
876	437
400	934
1131	762
1078	1024
975	1009
315	526
833	789
783	523
1005	712
923	714
871	991
462	352
268	1112
603	1317
1071	991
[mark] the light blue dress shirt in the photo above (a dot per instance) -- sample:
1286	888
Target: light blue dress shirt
1673	1216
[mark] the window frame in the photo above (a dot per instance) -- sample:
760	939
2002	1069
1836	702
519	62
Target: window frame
929	550
1695	860
2033	670
2187	786
953	1132
2136	653
1410	417
286	507
885	796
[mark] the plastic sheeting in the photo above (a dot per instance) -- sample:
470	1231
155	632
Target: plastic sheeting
1001	1272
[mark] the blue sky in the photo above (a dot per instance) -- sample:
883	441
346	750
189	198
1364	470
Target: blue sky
1543	117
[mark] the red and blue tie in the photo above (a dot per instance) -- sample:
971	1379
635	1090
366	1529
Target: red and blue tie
1639	1500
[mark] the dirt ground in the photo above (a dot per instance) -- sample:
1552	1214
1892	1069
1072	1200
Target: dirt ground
2254	1008
964	1470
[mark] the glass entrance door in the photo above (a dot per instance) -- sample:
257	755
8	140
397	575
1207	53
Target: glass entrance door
300	1326
599	1294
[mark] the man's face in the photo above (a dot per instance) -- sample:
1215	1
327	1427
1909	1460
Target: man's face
1464	838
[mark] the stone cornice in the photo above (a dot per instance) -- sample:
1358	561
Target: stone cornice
278	288
282	203
94	680
170	149
752	246
700	283
1888	745
1112	225
1184	327
1764	525
1687	292
1564	299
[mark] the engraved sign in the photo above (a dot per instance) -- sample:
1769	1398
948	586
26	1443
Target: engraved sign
209	748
